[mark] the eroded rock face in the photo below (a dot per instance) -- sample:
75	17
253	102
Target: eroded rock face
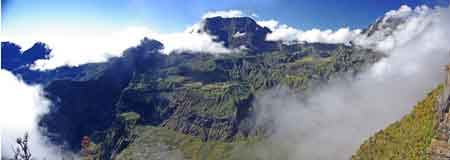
439	148
238	32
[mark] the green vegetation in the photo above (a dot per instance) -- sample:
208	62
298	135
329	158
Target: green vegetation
153	142
161	143
406	139
218	99
131	117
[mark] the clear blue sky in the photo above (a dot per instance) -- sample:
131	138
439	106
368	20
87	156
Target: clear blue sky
175	15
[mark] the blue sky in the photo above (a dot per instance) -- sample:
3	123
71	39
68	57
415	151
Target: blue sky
176	15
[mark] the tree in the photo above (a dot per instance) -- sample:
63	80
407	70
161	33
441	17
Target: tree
22	152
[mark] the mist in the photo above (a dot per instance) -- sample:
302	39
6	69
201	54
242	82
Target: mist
20	109
337	117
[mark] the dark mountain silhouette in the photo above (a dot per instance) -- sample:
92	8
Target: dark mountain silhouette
14	59
239	32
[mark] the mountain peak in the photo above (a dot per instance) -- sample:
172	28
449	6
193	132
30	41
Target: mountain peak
13	58
236	32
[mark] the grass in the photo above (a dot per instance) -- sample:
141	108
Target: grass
406	139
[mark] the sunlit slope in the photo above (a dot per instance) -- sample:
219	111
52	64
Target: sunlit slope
406	139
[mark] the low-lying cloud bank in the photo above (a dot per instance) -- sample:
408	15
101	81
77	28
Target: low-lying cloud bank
20	108
76	47
288	34
335	119
383	39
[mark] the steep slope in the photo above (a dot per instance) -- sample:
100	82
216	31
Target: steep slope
422	134
407	138
439	148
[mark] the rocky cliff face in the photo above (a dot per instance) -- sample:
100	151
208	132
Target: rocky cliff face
440	145
239	32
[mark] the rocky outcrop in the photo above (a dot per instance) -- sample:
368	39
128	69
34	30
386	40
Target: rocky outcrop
439	148
238	32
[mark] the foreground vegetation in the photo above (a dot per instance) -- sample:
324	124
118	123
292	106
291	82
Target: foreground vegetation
406	139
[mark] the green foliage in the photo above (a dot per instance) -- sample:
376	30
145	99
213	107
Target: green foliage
153	142
218	99
407	138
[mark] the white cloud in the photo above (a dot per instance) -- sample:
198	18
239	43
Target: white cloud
20	108
414	23
75	47
224	14
271	24
383	39
195	42
20	103
403	11
288	34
